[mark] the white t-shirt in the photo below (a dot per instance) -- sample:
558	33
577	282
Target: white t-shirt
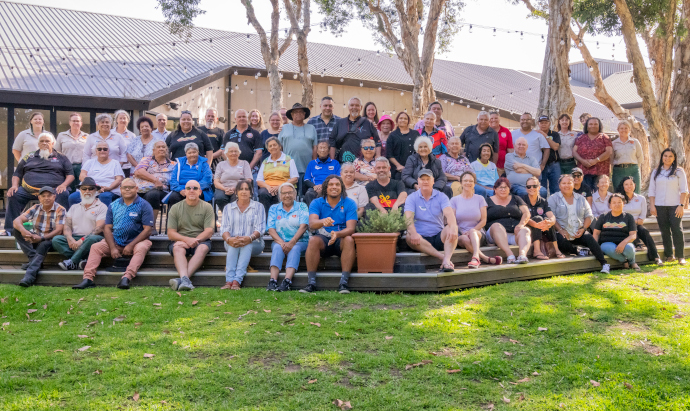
535	143
104	174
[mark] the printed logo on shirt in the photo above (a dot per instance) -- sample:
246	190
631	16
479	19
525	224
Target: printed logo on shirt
540	211
250	135
329	167
342	209
422	208
615	225
133	214
294	216
187	138
317	167
386	201
279	217
503	134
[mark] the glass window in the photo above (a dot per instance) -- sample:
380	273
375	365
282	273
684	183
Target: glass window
63	121
21	120
3	148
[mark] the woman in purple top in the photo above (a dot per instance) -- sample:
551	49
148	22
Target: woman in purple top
470	213
454	163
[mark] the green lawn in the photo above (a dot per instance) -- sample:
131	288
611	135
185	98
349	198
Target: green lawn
627	332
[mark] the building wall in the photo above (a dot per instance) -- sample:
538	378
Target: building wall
199	100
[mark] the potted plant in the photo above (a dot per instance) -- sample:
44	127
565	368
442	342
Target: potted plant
376	239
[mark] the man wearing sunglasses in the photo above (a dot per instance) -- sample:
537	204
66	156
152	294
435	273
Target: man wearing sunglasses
190	227
128	225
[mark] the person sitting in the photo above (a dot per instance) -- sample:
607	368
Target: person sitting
636	205
384	193
440	145
228	173
454	164
144	144
128	225
277	169
244	222
425	210
287	225
385	127
43	167
470	215
44	221
83	227
485	170
190	226
400	144
600	198
190	167
333	217
317	171
153	174
106	172
541	223
519	167
573	218
423	160
506	222
615	231
355	192
580	187
364	164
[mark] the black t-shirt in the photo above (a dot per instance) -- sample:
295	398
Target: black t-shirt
584	190
265	135
400	146
216	137
540	208
249	141
615	229
553	154
347	137
38	172
508	216
387	194
177	140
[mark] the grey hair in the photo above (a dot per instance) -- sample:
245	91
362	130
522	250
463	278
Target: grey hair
624	123
383	160
117	114
292	186
423	139
46	133
483	113
430	112
190	146
232	144
212	109
161	114
241	109
455	138
276	140
366	140
103	116
275	113
95	147
348	164
354	98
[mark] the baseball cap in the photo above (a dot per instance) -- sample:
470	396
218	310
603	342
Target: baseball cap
544	118
425	172
576	170
49	189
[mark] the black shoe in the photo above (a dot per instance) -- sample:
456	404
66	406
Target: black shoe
272	285
27	281
286	285
342	289
123	284
84	284
310	288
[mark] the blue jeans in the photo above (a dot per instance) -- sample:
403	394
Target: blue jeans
293	257
522	190
550	176
238	259
481	191
627	255
106	198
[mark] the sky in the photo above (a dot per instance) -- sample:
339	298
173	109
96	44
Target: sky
479	47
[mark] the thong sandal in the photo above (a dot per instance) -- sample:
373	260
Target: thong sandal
540	257
445	269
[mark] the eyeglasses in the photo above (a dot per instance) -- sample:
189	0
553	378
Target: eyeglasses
87	188
192	188
102	149
368	148
533	186
128	187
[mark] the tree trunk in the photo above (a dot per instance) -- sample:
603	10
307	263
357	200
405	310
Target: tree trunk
423	92
301	8
680	96
276	85
555	95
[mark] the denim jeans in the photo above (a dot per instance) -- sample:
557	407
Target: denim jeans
238	259
628	253
105	198
521	191
61	245
549	178
293	257
16	204
481	191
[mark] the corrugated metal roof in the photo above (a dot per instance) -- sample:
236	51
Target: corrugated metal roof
621	87
122	72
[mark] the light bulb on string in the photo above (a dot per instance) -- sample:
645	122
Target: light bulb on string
294	76
235	73
452	103
493	98
185	69
210	43
361	84
597	45
562	42
482	108
340	68
70	53
378	53
102	51
294	36
468	106
470	29
530	90
174	47
247	38
579	44
227	89
542	38
232	91
280	75
402	93
380	88
494	32
301	74
511	94
210	72
237	87
258	74
245	82
190	88
678	71
289	94
138	49
251	91
342	79
591	69
359	61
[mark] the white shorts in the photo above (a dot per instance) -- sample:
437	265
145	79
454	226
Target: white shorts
511	238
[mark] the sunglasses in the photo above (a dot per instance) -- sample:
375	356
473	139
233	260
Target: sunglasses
192	188
368	148
102	149
577	175
87	188
128	187
533	186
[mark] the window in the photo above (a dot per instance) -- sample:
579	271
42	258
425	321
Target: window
4	178
21	120
63	121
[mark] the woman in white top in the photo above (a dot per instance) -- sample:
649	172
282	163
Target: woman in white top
71	143
118	148
668	190
600	198
568	136
627	154
636	206
27	141
105	171
121	122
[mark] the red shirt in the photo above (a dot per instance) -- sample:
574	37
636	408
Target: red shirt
590	149
505	141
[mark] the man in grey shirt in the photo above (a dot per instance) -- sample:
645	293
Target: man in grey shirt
474	136
519	167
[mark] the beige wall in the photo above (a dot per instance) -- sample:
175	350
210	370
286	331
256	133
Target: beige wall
199	100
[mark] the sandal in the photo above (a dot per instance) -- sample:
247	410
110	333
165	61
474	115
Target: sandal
446	269
474	263
524	260
498	260
636	267
511	259
560	255
540	257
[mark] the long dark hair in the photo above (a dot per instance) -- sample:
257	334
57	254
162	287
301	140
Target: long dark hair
570	120
324	190
249	184
674	166
601	126
621	190
371	103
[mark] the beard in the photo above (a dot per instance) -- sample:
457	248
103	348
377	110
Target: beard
209	124
44	154
87	198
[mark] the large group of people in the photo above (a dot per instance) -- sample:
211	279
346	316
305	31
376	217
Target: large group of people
306	182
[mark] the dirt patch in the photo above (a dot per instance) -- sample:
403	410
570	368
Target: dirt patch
265	361
293	368
628	327
659	273
346	364
473	301
396	372
649	348
345	382
389	306
673	299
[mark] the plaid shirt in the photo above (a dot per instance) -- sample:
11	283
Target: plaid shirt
45	222
323	130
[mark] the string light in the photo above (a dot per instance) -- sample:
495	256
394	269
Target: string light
245	82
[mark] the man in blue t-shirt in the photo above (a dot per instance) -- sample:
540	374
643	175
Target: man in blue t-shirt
317	171
128	225
333	216
425	209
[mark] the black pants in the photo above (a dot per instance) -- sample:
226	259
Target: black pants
154	198
36	253
267	200
175	197
671	231
223	199
586	240
644	236
539	235
310	196
126	172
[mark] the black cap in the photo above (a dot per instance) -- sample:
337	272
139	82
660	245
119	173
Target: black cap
544	118
49	189
425	172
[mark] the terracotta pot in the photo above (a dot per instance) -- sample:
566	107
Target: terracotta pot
375	252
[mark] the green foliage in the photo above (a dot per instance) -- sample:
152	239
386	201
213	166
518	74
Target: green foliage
601	17
180	14
378	222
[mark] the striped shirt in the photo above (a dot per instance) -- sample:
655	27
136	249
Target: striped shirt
161	136
45	221
323	130
243	224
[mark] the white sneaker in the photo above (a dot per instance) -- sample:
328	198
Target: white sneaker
606	268
584	252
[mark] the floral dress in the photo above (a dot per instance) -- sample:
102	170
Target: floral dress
162	171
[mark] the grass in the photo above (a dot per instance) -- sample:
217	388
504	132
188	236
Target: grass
256	350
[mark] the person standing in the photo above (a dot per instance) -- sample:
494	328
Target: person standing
122	120
627	156
185	134
505	140
256	121
440	141
118	147
668	191
537	146
400	145
71	143
474	136
215	135
275	124
593	151
348	132
299	139
568	136
161	133
440	123
248	139
324	122
583	121
27	141
385	127
552	170
371	113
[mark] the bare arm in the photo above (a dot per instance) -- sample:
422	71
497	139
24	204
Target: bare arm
209	156
349	230
17	154
256	159
544	157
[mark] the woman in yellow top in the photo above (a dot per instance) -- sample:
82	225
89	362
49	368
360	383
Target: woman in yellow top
275	170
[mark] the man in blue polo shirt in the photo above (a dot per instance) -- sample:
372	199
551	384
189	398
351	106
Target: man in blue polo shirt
334	217
128	225
318	170
426	209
